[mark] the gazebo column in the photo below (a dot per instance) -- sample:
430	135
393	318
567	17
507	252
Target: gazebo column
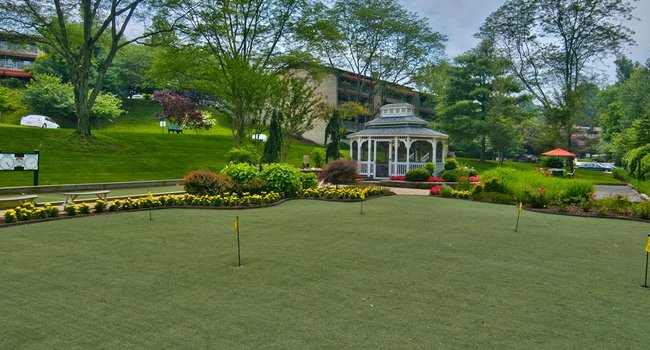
396	160
359	155
369	156
408	154
434	143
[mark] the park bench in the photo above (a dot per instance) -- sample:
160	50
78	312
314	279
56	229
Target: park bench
71	196
18	199
174	128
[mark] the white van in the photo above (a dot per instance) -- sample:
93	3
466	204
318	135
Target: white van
39	121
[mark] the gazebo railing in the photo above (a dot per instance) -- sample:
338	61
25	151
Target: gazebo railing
401	168
363	168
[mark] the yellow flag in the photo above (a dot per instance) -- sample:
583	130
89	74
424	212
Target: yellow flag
647	245
235	224
521	206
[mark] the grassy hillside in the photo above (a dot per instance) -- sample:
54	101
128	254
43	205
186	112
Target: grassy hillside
133	148
598	177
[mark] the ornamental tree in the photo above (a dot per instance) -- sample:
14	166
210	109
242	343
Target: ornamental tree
180	110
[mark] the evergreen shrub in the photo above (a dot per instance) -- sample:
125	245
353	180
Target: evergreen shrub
419	175
282	178
204	182
244	155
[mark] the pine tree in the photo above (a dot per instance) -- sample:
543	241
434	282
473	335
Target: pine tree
273	146
332	131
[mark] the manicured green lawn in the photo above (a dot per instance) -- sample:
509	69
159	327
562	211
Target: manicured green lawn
119	155
412	272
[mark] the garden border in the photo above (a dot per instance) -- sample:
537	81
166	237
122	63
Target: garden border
64	216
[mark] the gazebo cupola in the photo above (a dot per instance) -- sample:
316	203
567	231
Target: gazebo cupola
396	142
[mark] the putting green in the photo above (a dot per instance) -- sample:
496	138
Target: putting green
412	271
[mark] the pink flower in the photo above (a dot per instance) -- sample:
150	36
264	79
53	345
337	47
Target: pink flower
435	179
435	190
592	196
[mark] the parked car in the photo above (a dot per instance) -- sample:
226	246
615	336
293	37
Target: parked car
137	97
595	166
38	121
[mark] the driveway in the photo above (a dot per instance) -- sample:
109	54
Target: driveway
603	191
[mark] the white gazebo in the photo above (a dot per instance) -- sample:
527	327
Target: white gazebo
396	142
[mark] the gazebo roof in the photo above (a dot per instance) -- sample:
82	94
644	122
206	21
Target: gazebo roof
399	131
398	124
398	120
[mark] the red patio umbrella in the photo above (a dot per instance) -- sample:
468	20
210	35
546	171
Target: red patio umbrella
558	152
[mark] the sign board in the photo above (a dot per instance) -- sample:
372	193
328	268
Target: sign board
21	162
163	123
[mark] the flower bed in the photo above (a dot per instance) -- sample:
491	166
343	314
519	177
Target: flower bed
28	211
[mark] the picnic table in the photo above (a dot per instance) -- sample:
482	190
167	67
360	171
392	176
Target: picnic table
71	196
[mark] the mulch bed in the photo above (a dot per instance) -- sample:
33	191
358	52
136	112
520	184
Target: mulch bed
577	211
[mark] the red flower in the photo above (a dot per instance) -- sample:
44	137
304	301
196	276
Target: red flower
435	190
435	179
398	177
541	189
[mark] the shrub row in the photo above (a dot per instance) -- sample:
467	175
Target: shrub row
246	178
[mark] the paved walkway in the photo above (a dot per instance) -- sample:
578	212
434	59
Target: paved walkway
603	191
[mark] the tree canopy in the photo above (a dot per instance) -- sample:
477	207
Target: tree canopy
552	45
73	29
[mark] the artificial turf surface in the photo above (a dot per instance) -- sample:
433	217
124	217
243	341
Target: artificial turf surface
411	272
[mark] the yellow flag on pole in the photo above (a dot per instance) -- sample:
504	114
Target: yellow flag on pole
647	245
521	206
235	224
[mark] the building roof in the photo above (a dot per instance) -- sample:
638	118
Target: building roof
400	124
399	131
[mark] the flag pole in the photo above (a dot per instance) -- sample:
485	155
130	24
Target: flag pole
238	249
518	214
645	284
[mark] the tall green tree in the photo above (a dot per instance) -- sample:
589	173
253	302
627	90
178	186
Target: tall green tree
273	146
333	134
296	98
622	109
480	95
8	103
239	47
552	45
371	38
98	20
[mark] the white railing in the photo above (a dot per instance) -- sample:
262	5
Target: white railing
401	168
363	169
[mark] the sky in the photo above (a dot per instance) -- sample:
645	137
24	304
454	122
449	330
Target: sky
460	19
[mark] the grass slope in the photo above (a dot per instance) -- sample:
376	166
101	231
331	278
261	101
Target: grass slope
134	148
410	272
597	177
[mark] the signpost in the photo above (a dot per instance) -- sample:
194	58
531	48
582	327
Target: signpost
162	126
21	162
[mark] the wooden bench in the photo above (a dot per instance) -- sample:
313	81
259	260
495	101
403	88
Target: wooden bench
19	199
174	128
71	196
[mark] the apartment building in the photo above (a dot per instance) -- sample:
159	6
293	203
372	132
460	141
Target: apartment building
17	53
